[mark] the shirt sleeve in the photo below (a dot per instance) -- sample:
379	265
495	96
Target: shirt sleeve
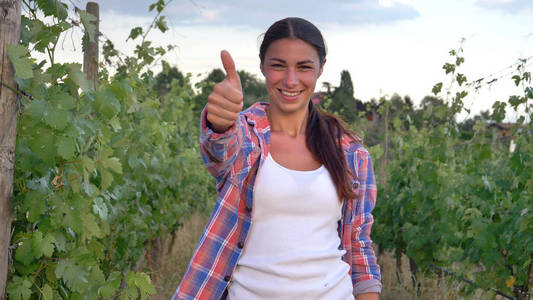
366	273
219	150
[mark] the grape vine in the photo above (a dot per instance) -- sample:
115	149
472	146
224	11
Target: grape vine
99	174
462	201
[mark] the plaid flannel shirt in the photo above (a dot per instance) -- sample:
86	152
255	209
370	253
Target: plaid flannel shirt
233	158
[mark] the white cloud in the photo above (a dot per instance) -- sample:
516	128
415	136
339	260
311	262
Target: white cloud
386	3
210	14
492	1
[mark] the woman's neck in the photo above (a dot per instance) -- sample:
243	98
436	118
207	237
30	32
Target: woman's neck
293	124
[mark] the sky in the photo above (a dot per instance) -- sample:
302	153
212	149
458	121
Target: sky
388	46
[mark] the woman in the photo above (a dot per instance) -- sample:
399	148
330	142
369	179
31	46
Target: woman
296	188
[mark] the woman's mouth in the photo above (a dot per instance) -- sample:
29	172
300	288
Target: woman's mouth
289	93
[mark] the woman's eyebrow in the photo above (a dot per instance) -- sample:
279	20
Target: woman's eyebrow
278	60
303	62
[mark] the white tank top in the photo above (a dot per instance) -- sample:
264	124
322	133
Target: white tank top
291	251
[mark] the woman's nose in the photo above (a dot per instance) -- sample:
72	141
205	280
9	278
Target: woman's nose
291	78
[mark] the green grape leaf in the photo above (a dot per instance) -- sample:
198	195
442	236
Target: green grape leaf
161	24
57	71
88	163
498	113
46	37
60	241
42	246
47	292
134	33
77	76
141	281
35	204
53	8
25	25
516	79
97	276
113	164
72	274
50	273
24	253
100	208
449	68
111	286
56	118
63	101
37	109
160	4
106	291
107	179
106	104
461	78
91	228
19	288
115	124
22	64
66	147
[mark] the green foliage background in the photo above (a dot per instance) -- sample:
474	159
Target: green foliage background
99	174
452	195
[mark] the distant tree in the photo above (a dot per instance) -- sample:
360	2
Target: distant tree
346	83
164	79
328	86
253	88
467	126
433	112
205	87
343	103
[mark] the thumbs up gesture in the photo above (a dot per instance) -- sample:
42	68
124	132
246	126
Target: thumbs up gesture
226	100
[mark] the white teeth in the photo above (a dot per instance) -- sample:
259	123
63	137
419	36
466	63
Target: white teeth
289	94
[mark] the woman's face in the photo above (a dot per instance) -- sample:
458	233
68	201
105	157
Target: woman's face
291	68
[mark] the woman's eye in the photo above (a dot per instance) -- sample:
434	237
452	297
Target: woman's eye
305	67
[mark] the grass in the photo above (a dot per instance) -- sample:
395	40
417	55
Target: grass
175	259
167	268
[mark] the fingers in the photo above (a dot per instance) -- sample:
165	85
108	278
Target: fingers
228	91
221	101
220	119
229	66
226	100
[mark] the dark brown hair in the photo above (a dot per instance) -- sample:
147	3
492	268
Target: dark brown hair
324	131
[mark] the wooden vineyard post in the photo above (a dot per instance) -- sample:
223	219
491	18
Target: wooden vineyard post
9	34
90	57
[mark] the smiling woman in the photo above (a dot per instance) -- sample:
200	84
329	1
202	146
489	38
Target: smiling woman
296	187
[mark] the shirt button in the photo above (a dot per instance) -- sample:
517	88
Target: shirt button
240	245
227	278
355	185
248	208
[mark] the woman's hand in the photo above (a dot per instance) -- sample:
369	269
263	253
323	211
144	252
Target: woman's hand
226	100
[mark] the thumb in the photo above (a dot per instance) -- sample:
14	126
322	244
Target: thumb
229	67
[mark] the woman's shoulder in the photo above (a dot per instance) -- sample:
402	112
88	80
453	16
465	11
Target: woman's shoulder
353	143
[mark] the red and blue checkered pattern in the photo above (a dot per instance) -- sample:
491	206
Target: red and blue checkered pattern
233	158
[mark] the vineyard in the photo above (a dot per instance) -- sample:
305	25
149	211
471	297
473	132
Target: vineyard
107	165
